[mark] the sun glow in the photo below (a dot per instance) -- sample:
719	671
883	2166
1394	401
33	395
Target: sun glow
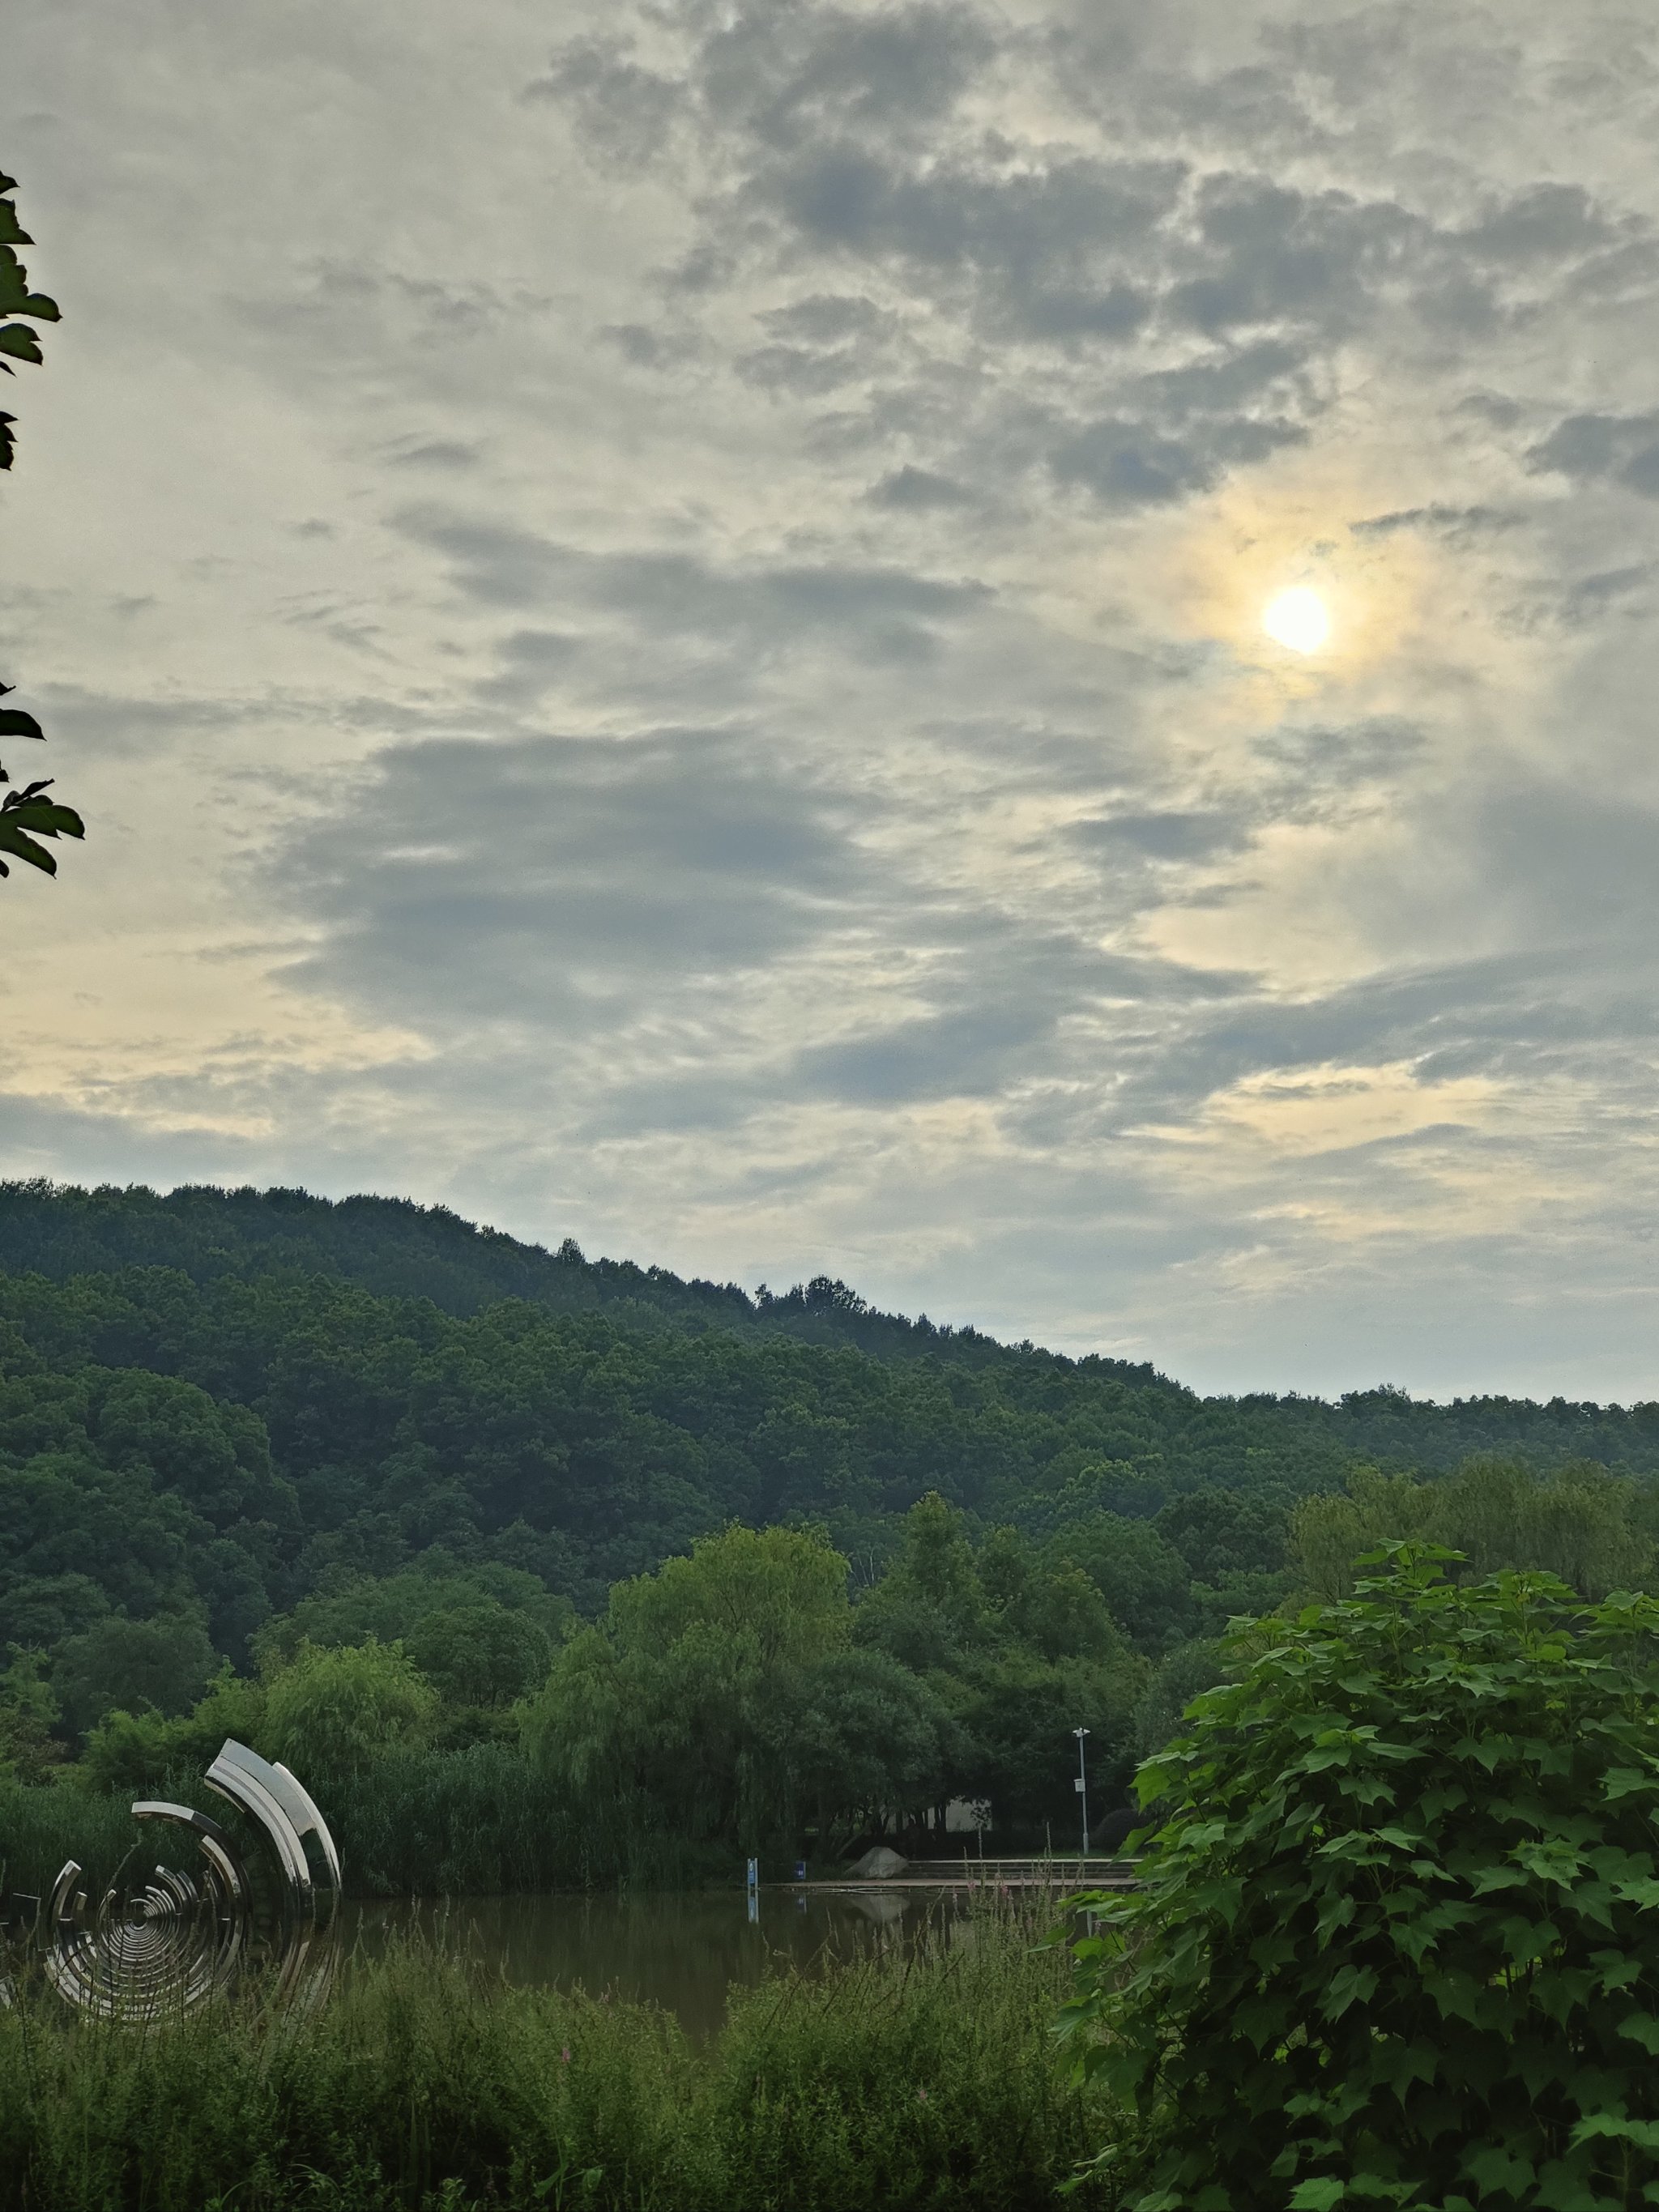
1298	618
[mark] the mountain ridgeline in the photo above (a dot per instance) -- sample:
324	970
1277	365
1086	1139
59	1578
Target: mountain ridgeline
286	1389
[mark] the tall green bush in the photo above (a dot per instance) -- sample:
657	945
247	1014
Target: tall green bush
1398	1941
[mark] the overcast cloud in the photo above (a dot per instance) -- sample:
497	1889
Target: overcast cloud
656	611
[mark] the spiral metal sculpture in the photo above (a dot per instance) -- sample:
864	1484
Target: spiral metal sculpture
163	1941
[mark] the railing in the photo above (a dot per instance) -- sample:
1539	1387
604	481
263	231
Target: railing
1036	1870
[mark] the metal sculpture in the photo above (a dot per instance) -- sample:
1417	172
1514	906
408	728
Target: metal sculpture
168	1941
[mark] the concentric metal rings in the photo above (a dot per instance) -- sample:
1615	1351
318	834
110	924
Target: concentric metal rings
168	1941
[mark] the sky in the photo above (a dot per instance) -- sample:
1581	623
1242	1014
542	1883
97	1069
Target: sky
656	612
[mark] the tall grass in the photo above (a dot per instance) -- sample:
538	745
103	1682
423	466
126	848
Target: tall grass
921	2083
39	1828
474	1822
482	1822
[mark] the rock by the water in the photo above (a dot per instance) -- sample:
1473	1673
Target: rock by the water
879	1864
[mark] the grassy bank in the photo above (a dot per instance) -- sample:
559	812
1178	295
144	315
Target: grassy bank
926	2083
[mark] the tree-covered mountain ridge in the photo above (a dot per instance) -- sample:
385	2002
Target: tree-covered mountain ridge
242	1427
229	1400
395	1248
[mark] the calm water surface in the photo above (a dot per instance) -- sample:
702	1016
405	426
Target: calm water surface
682	1951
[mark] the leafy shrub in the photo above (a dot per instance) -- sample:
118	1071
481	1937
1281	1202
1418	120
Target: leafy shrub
1398	1941
135	1754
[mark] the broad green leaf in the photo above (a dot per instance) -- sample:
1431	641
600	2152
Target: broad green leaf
45	820
1349	1985
15	723
1624	1781
1492	2167
14	283
1617	2128
21	847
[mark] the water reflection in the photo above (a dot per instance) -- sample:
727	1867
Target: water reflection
681	1951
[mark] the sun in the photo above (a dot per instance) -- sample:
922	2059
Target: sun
1298	618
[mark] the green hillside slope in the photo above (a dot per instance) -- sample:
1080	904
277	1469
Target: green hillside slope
226	1401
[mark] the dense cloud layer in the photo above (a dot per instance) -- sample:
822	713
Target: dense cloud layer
659	617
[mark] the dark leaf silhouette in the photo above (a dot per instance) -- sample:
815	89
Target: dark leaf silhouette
25	816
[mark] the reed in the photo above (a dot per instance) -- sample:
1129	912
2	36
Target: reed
475	1822
39	1828
920	2083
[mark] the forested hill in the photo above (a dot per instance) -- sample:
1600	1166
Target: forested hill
395	1249
222	1401
399	1250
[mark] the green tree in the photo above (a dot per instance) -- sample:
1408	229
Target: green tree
1396	1941
1180	1675
1224	1533
1018	1711
481	1655
27	815
862	1739
330	1713
668	1709
781	1590
164	1664
1578	1522
1145	1582
28	1710
391	1607
930	1607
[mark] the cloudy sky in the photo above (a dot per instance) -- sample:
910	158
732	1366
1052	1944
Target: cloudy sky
656	609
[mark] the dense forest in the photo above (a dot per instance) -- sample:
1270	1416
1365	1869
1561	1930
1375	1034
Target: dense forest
251	1442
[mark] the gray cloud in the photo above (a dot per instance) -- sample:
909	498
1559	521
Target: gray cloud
510	880
709	662
437	453
1128	463
1165	836
895	73
915	489
1460	524
626	113
683	593
973	1052
1622	449
839	145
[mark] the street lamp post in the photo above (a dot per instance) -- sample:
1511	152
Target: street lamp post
1082	1786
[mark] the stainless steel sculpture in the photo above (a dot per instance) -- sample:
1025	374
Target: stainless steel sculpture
168	1941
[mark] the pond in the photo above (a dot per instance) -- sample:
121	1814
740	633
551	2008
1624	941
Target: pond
679	1950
